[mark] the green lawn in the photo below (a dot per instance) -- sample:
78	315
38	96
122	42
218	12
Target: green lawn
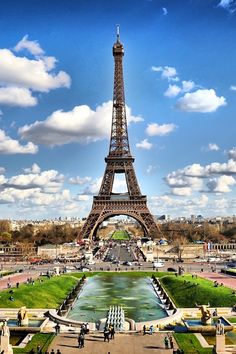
189	343
42	339
48	294
186	291
231	319
120	235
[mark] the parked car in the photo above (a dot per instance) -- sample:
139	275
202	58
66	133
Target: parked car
170	269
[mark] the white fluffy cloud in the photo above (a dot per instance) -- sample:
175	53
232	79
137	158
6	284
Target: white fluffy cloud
213	147
183	191
38	193
174	90
49	181
80	180
144	144
229	5
165	11
167	204
30	73
17	96
19	76
221	184
233	87
216	176
150	169
33	169
82	125
10	146
167	72
232	153
155	129
200	101
32	46
93	187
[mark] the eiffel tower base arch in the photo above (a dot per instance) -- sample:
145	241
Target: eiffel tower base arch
102	210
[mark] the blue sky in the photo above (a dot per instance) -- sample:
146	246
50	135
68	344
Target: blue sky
56	86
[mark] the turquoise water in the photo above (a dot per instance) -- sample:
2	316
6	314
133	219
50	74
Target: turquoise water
135	294
32	323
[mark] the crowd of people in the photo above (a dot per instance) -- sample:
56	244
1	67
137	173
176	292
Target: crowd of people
39	351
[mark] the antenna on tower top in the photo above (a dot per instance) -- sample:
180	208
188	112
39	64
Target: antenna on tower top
118	32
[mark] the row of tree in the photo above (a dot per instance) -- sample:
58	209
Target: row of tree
171	231
38	235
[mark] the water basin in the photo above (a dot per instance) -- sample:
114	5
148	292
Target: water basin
136	296
195	325
32	323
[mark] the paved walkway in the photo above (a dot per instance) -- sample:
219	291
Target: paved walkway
135	343
16	278
227	280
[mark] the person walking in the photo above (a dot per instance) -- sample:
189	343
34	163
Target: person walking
171	341
112	332
106	334
52	351
166	342
57	328
144	329
58	351
151	330
82	340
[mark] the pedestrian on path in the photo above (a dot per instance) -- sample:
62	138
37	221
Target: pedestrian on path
171	341
58	351
151	330
106	334
57	328
82	341
52	351
144	329
166	342
112	332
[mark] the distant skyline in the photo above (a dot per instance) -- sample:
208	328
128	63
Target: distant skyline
56	87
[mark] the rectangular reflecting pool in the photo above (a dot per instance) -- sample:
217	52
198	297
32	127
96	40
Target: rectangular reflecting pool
135	294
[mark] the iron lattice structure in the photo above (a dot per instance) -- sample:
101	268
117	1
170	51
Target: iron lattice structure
119	160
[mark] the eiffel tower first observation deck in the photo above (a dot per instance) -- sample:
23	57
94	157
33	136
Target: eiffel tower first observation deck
119	161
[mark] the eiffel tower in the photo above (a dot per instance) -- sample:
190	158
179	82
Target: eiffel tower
119	161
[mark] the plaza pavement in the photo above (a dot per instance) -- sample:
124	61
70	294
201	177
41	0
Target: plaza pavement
135	343
17	278
226	280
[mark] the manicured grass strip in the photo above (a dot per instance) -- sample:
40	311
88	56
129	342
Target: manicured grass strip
42	339
186	291
47	294
231	319
120	235
190	344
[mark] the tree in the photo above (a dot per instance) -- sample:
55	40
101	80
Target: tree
5	236
5	226
179	244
